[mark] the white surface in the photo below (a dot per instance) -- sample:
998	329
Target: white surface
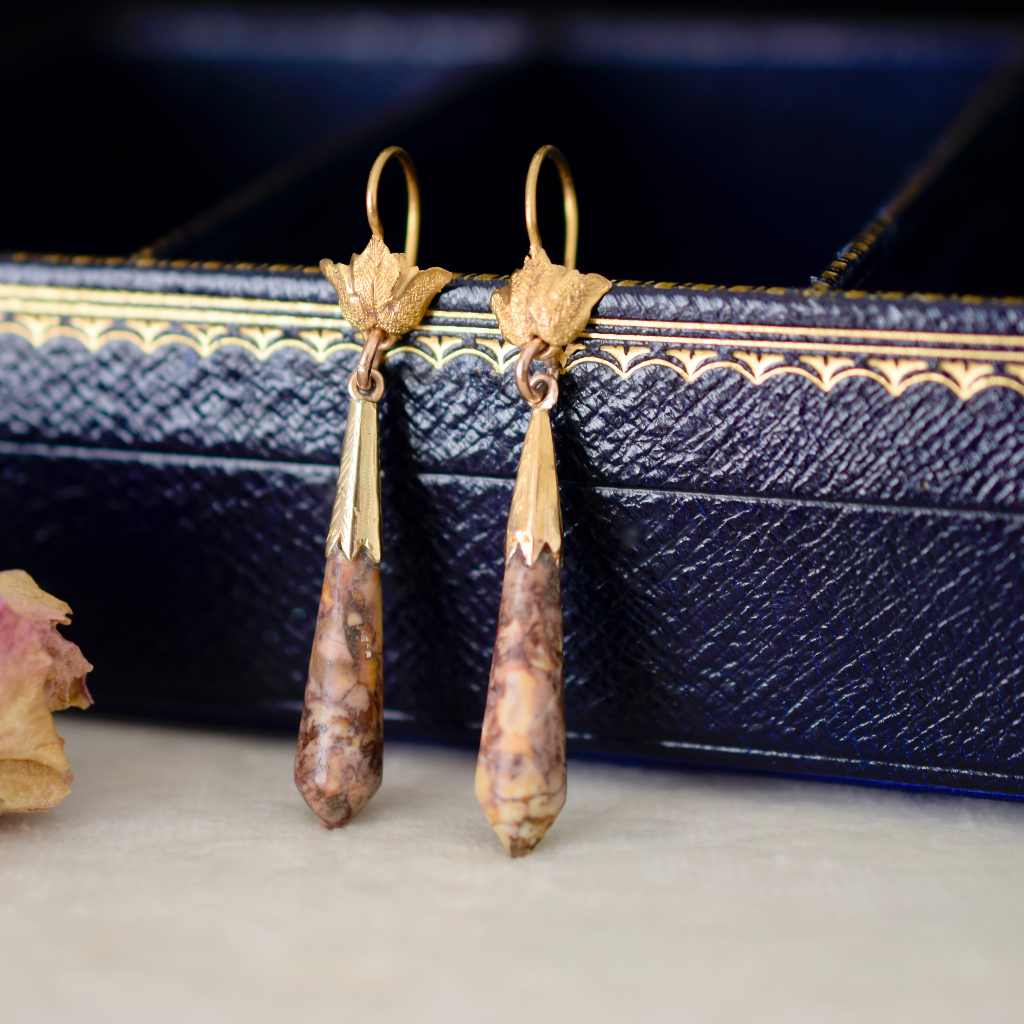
184	880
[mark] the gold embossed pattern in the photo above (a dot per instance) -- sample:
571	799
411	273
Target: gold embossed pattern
966	364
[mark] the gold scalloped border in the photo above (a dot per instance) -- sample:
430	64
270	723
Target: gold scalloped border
964	377
260	341
895	368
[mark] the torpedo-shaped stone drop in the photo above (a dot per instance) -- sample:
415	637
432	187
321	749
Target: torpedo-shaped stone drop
340	753
520	771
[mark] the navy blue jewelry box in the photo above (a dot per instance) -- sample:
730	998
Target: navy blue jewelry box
794	510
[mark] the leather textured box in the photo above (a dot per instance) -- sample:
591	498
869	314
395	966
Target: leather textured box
794	509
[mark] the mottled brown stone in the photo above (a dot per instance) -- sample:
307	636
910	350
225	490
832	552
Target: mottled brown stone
520	772
341	739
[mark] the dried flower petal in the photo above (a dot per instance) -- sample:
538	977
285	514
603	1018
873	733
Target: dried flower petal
40	672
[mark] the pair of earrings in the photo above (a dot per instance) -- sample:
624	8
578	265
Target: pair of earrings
521	768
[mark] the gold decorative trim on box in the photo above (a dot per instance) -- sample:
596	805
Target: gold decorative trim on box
966	364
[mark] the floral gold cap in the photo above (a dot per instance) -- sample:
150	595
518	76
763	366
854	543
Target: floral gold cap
379	289
545	300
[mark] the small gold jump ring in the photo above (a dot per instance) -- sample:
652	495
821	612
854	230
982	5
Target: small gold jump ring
369	359
522	370
572	213
412	222
528	386
549	396
375	395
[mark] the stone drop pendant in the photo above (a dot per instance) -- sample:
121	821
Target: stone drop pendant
338	763
520	770
340	754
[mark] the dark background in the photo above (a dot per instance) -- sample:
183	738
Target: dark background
719	176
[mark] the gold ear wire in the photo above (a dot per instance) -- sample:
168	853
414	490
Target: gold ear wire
412	221
572	212
341	736
520	770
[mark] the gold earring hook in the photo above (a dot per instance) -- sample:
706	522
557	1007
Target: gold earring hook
412	222
572	213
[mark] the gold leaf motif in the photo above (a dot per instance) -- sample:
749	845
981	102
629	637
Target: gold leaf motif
501	348
91	330
894	370
321	340
37	326
624	355
759	365
411	297
691	359
379	289
546	301
437	347
565	353
827	366
377	273
967	375
35	315
351	305
148	331
206	336
263	336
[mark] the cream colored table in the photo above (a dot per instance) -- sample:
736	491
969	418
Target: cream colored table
185	881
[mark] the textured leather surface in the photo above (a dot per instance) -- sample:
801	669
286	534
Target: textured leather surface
876	643
769	576
720	434
642	301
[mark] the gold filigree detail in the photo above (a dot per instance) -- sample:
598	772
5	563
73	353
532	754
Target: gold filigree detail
828	368
965	364
38	327
503	351
969	376
895	372
91	331
379	289
263	337
149	331
323	342
624	355
965	383
439	351
692	359
644	364
566	352
545	300
759	366
206	335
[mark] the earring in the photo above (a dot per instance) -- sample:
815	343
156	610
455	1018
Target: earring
520	771
340	751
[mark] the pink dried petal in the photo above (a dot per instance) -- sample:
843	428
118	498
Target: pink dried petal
65	682
40	672
22	595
